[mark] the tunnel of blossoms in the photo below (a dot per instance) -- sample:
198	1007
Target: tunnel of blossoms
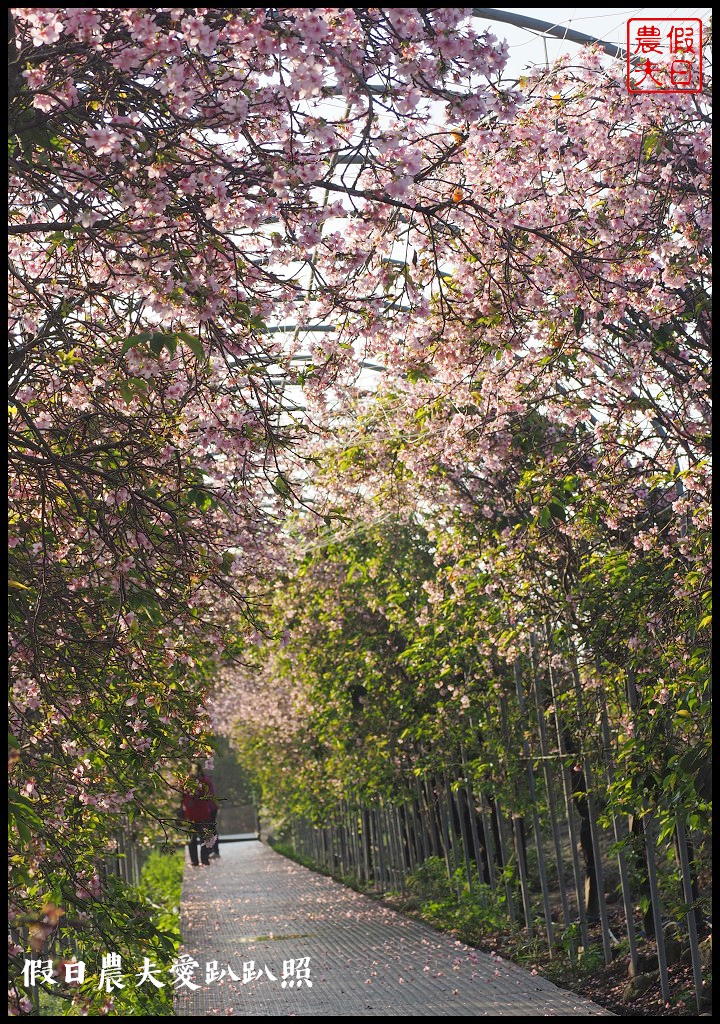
348	380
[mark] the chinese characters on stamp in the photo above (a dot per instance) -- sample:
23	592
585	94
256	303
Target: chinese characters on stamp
664	55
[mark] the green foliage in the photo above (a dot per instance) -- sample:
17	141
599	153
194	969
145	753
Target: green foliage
161	882
430	880
472	914
152	930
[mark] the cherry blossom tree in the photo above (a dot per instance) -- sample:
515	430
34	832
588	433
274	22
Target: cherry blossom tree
545	420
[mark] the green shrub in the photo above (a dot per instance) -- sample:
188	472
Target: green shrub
474	913
152	914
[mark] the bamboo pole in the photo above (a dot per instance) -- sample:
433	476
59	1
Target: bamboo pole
550	791
403	845
489	843
625	887
522	872
534	811
451	832
393	843
416	831
649	841
649	837
424	817
465	838
570	815
390	854
366	845
505	860
355	832
592	814
445	839
380	850
473	821
686	873
516	837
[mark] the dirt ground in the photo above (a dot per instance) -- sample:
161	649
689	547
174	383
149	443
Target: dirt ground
606	984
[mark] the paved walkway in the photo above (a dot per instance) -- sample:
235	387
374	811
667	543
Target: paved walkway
255	907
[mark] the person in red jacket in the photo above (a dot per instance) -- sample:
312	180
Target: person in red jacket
200	808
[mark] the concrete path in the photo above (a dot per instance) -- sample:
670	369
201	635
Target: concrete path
260	916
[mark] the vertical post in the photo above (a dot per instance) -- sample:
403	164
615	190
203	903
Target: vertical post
414	811
622	863
424	823
390	847
550	789
451	832
649	840
388	840
516	836
403	844
392	840
533	804
326	849
445	835
686	872
438	847
464	835
649	837
415	816
355	834
592	815
342	841
336	846
489	844
473	819
504	859
381	852
366	838
522	872
570	813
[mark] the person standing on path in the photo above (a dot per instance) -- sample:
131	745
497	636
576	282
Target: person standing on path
199	809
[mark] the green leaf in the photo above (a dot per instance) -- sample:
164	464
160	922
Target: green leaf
557	511
280	484
418	374
133	340
159	341
200	498
578	318
652	143
130	387
22	827
195	346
